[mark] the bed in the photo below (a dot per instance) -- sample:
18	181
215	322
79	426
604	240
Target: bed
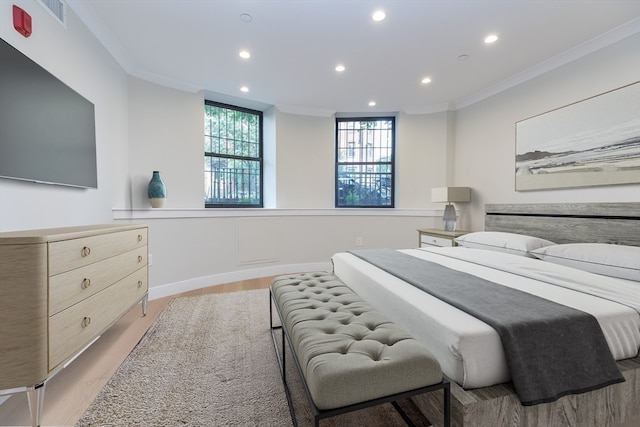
471	352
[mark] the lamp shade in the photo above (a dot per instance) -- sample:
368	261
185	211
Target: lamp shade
450	194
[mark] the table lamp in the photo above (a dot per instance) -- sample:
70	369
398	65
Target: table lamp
449	195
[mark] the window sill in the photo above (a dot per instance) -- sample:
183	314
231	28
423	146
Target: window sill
165	213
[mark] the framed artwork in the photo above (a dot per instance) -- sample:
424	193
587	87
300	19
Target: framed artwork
591	142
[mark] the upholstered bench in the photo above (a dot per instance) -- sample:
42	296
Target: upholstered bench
349	355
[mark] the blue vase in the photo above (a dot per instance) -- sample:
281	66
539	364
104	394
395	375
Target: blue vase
157	191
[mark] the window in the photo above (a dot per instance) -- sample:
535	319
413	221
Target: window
232	156
364	162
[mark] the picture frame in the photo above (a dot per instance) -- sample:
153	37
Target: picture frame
592	142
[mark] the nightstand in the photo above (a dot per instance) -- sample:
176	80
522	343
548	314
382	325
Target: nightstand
434	237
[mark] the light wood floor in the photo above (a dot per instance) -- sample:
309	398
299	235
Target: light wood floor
71	391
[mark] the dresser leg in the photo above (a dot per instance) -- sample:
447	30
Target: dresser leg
145	300
35	397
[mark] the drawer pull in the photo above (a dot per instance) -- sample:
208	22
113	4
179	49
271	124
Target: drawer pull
139	258
86	251
139	237
86	321
86	283
139	283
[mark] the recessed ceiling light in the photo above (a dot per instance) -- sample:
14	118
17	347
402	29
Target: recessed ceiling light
426	80
378	15
244	54
245	17
340	68
244	89
372	103
490	39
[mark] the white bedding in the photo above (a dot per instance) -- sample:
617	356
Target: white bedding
469	350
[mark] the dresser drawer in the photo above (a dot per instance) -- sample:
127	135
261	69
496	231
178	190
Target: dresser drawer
74	327
67	255
435	241
66	289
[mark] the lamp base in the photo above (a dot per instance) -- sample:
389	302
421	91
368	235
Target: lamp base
449	218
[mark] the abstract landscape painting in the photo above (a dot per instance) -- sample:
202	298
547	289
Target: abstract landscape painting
592	142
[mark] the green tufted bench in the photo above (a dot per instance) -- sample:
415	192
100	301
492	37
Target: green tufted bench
349	355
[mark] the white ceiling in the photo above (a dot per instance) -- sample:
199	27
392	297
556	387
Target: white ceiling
295	44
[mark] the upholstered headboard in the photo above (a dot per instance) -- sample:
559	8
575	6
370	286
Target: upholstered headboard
617	223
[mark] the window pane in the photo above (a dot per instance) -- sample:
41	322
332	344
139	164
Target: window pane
229	181
364	162
362	186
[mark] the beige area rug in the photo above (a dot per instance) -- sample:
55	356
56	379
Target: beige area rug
209	361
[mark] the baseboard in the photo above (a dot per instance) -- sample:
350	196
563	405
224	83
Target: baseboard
169	289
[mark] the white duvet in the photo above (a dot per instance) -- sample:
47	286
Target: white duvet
469	350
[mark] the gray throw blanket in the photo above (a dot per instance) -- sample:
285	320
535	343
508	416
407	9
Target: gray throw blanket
551	350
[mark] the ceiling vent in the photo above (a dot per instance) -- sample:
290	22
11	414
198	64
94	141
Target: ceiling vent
57	9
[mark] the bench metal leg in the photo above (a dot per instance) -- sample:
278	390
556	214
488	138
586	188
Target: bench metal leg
284	360
447	405
281	358
403	414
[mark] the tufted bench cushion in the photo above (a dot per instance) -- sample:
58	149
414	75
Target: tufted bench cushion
347	351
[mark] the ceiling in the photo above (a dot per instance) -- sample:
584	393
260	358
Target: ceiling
295	45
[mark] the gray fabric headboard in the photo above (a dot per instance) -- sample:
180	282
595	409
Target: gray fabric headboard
617	223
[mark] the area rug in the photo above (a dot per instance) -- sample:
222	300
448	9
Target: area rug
209	361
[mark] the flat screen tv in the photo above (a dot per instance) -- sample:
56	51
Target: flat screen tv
47	130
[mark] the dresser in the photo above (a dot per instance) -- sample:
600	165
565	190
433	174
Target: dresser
59	290
435	237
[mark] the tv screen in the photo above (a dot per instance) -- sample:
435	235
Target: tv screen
47	130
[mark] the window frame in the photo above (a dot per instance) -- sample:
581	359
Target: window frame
259	159
367	147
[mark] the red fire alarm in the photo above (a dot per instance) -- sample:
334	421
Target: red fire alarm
21	21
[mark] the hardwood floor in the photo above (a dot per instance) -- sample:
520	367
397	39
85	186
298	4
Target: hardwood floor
71	391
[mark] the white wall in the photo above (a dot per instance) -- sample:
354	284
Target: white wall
306	156
166	128
422	158
189	253
485	132
305	161
75	57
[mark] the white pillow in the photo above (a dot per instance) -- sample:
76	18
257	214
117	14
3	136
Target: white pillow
601	258
517	244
